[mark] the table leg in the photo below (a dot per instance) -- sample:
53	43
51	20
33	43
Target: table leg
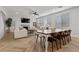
46	43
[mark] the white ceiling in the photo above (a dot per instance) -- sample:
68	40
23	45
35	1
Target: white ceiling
26	10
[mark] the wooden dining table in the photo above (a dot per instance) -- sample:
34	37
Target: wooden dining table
47	33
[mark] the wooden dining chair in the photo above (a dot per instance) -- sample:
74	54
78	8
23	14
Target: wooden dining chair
62	37
68	35
52	39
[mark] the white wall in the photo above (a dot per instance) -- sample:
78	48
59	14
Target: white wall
1	25
74	21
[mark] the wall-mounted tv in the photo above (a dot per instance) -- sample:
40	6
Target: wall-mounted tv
25	20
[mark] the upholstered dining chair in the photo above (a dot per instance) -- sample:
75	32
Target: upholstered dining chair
53	39
62	37
68	35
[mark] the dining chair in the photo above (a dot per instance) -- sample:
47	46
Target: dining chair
41	39
52	39
68	35
36	36
62	38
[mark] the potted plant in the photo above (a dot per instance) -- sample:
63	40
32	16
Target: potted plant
8	23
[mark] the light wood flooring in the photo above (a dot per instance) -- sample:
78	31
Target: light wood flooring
8	44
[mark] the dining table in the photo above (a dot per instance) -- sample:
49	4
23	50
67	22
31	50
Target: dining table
46	34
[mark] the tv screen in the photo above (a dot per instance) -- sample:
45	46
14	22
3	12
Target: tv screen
25	20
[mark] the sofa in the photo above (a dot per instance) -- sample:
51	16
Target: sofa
20	32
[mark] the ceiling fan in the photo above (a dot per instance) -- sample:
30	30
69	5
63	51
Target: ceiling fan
35	13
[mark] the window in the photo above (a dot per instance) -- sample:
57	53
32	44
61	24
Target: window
62	20
65	20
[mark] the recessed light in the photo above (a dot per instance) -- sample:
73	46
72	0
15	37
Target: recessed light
60	6
17	12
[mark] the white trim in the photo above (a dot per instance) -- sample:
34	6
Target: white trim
75	36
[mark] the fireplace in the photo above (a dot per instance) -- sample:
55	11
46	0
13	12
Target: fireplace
26	28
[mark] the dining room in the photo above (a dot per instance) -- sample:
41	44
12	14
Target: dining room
39	29
56	29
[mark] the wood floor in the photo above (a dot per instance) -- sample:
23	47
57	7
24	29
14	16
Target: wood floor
8	44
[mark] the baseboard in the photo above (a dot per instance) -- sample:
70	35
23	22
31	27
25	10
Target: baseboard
75	36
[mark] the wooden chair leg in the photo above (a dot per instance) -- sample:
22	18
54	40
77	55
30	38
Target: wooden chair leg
56	44
43	42
52	46
60	43
68	39
65	40
37	38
